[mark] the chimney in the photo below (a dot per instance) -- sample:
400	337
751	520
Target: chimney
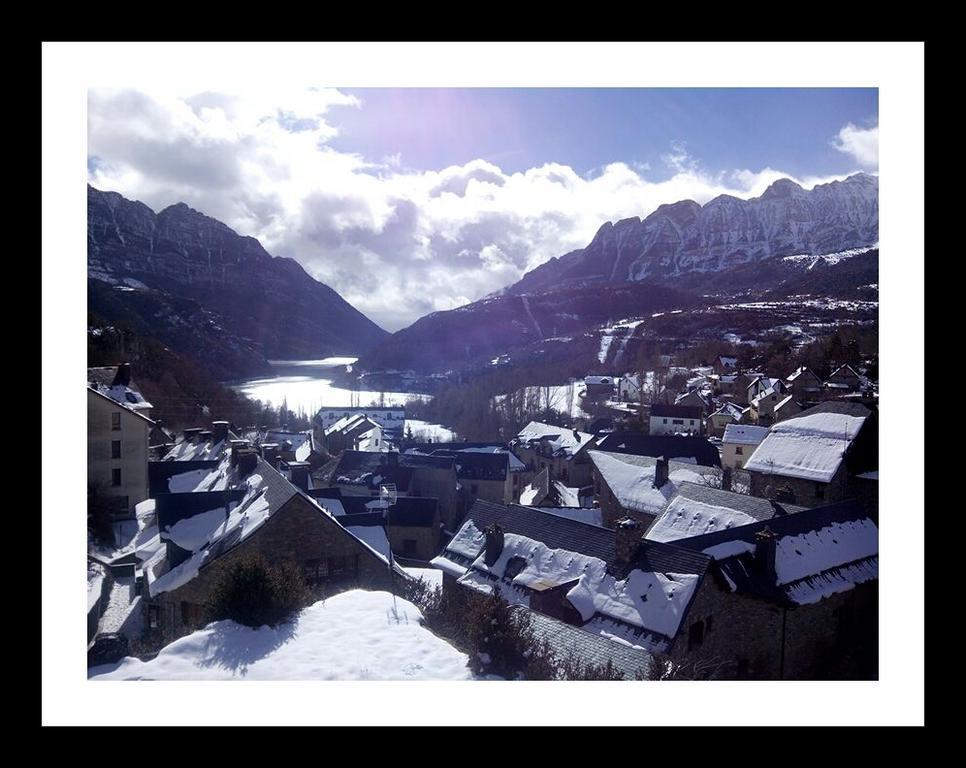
190	435
237	446
247	461
765	542
627	536
204	436
299	474
219	431
270	453
494	543
576	435
726	479
661	472
123	376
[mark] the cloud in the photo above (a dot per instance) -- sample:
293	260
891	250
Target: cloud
397	243
861	143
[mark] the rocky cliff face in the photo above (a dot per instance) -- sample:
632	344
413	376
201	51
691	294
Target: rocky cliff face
685	237
270	304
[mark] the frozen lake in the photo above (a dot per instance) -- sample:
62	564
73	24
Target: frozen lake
306	385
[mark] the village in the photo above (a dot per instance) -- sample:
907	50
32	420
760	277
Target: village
689	523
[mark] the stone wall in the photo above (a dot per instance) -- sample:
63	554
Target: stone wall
298	532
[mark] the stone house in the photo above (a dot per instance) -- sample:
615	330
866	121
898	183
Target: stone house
629	387
639	487
257	512
696	398
117	451
741	384
411	525
736	603
560	450
805	385
814	458
763	406
360	473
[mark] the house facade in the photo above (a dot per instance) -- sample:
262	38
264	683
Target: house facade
676	420
117	452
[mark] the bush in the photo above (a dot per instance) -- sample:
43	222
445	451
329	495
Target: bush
254	593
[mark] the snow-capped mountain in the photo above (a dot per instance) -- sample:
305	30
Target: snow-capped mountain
193	283
685	237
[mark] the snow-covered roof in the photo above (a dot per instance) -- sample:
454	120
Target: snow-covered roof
818	552
127	406
563	441
110	382
599	380
631	479
388	642
744	434
685	518
301	442
193	450
651	601
810	446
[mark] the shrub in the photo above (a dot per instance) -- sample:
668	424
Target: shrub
253	592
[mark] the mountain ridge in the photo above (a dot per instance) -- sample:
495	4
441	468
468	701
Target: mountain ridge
266	307
684	236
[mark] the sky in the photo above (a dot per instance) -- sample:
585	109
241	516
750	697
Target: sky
414	200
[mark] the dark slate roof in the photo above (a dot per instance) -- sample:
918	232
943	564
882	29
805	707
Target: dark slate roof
670	446
554	531
172	507
565	639
363	466
836	406
159	472
800	522
417	461
277	492
418	511
677	411
658	557
760	509
471	465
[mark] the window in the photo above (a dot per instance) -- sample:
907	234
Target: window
115	449
676	421
154	616
695	634
116	421
739	450
410	547
819	490
664	420
116	476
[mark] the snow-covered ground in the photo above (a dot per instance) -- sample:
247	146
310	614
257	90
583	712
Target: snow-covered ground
563	398
424	432
355	635
432	576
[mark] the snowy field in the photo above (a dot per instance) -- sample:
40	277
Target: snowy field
356	635
424	432
563	398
